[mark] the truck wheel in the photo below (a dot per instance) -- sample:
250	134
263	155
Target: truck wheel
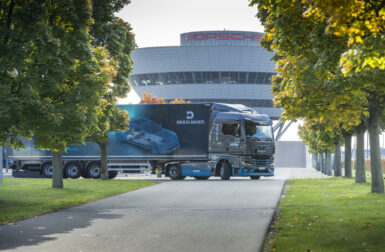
94	171
112	174
175	172
47	170
202	178
73	170
255	177
224	170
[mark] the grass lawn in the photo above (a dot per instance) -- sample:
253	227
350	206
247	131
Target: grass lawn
23	198
333	214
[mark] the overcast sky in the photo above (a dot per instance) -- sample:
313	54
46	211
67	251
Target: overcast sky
160	22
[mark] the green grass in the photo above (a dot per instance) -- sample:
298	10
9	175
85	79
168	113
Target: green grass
329	215
24	198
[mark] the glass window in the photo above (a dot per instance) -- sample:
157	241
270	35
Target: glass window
189	77
268	78
231	129
242	77
207	77
233	77
225	77
180	78
261	78
198	77
260	132
252	77
215	77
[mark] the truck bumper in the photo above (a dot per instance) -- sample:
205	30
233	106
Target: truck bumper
253	171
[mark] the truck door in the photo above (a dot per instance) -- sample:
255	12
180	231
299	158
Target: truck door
230	135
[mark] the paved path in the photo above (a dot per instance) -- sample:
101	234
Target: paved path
191	215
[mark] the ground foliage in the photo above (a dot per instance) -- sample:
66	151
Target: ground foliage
328	215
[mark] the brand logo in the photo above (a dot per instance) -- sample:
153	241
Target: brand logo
190	115
189	119
223	36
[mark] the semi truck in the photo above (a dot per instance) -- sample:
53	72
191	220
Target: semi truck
179	140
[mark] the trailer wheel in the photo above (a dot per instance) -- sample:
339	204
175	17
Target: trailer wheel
47	170
224	170
202	178
175	172
112	174
93	170
73	170
255	177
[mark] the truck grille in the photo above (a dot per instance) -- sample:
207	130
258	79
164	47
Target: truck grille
261	162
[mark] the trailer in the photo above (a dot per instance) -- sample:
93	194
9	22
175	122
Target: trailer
179	140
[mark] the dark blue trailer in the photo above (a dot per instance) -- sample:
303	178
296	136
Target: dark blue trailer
199	140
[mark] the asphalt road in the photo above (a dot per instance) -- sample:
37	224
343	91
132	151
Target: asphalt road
190	215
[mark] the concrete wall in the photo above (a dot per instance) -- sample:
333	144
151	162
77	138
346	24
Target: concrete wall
290	154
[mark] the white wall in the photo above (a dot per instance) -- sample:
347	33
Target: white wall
290	154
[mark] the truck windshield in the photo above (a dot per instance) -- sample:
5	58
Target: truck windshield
260	132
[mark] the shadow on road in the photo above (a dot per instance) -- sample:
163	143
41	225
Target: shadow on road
36	231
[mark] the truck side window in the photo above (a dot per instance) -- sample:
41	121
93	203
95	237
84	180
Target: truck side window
231	129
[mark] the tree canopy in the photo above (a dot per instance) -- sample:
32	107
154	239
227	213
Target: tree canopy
329	64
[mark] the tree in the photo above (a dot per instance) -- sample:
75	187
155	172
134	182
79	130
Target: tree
180	100
149	99
116	36
363	23
51	69
309	83
319	140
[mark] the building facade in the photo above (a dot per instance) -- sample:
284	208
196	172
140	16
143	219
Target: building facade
208	66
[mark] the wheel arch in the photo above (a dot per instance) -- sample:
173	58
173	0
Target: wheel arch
219	162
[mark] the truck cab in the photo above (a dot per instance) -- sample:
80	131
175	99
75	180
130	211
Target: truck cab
241	143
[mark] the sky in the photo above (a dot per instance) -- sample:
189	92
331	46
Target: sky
160	22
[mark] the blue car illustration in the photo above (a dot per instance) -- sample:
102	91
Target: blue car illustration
151	136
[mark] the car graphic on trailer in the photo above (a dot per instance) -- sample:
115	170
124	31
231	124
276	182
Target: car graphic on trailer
151	136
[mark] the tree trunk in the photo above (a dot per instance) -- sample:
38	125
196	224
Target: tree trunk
323	163
337	161
57	176
375	154
360	156
348	156
103	161
329	163
317	160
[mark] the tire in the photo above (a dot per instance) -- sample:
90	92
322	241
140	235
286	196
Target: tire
175	172
73	170
94	171
47	170
255	177
112	174
224	170
202	178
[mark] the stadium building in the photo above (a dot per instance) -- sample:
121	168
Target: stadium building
208	66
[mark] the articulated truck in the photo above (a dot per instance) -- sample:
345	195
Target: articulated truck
179	140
